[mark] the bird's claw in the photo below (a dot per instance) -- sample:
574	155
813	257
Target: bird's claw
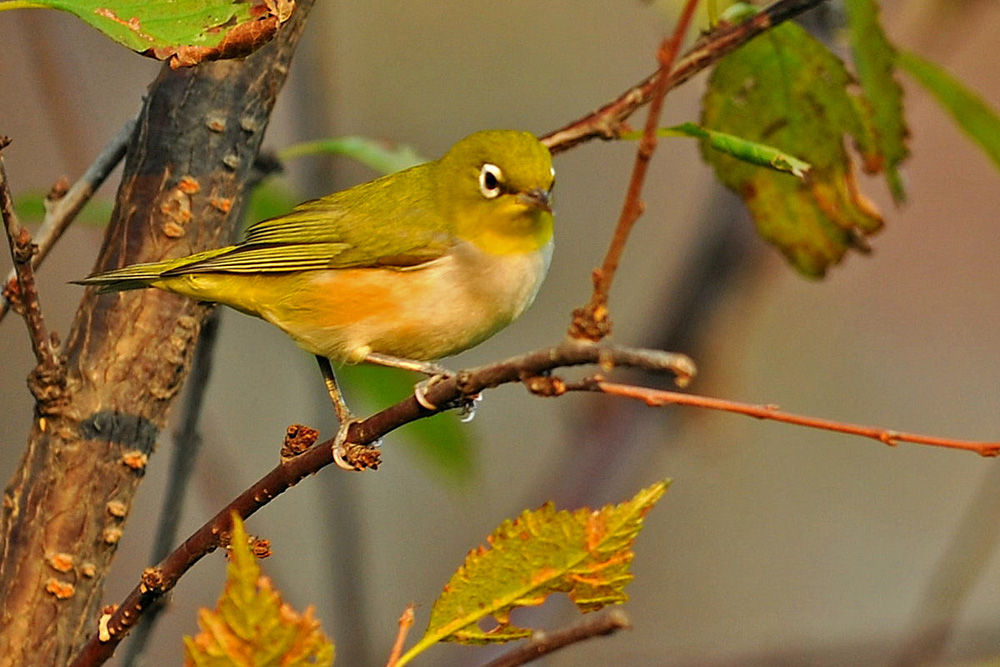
420	391
466	405
352	456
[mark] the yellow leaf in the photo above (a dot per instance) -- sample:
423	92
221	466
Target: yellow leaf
251	626
585	554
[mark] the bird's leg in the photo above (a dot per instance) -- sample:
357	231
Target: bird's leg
425	367
436	374
344	415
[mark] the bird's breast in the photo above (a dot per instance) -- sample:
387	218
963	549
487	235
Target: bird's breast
428	312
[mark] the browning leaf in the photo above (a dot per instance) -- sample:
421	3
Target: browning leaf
251	626
584	553
787	90
184	31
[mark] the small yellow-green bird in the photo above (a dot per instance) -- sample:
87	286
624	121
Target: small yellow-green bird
408	268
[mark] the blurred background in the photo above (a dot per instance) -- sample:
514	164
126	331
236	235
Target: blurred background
774	544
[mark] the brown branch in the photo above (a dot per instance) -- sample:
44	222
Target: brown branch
608	121
543	643
47	381
188	163
61	211
156	581
658	398
592	322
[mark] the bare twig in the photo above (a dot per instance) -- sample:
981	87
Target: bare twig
405	623
543	643
592	322
163	577
659	397
608	121
23	291
62	211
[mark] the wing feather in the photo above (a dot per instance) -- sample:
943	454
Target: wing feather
392	221
258	258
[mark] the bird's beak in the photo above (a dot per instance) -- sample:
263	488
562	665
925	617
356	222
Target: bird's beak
537	198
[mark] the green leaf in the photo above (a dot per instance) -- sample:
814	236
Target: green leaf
751	152
442	443
585	554
184	31
785	89
874	59
969	110
378	155
252	626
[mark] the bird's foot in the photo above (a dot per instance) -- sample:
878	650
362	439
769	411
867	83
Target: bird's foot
465	405
352	456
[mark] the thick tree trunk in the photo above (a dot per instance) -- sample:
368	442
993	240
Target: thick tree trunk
127	354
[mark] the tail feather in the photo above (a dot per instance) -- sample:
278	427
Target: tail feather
139	276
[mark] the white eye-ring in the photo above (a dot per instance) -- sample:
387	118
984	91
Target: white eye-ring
490	179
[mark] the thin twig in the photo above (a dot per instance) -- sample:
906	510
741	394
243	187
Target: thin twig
23	290
592	322
62	211
543	643
659	397
406	621
158	580
608	121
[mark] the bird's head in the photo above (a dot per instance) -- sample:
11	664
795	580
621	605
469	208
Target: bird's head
496	187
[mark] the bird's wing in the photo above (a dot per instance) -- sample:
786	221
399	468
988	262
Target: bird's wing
263	259
382	223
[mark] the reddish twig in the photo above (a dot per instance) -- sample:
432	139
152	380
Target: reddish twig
461	386
658	397
591	322
22	293
543	643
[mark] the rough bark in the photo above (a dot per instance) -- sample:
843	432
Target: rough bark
127	354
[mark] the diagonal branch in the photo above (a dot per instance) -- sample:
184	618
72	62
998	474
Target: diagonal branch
608	121
531	368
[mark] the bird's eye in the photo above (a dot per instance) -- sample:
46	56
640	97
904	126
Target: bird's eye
490	178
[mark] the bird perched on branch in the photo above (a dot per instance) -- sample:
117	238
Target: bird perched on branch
400	271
